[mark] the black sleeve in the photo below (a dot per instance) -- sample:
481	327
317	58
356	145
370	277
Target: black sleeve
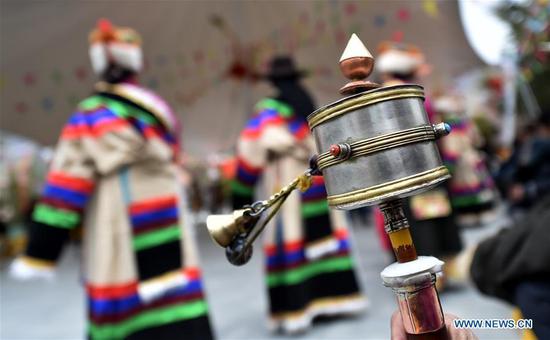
46	242
514	254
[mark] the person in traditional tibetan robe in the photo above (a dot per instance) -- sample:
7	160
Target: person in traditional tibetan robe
310	270
431	217
115	173
471	187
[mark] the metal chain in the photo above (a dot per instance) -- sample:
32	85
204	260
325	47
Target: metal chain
302	182
256	209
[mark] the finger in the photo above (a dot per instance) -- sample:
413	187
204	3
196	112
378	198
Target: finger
454	333
397	328
471	335
457	334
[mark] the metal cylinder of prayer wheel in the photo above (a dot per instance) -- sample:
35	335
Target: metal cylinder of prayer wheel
376	145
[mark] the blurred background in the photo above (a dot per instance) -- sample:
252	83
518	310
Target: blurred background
489	59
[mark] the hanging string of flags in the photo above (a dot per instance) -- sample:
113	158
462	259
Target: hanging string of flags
300	32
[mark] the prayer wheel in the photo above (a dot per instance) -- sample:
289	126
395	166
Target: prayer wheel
377	146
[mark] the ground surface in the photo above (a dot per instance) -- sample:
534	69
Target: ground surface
39	310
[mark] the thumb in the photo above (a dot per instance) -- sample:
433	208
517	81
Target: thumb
397	328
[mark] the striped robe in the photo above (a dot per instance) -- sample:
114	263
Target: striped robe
309	267
471	187
114	172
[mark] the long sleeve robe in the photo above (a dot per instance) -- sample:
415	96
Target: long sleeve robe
114	173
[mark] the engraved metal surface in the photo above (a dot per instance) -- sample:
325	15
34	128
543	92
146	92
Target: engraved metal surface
400	188
383	142
363	99
389	131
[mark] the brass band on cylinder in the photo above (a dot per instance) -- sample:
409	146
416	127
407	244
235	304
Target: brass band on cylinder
391	188
379	143
368	98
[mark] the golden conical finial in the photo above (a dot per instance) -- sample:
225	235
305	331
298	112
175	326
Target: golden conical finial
356	64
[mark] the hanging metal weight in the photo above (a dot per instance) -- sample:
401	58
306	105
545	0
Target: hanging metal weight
237	232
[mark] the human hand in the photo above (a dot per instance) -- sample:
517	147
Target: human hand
398	330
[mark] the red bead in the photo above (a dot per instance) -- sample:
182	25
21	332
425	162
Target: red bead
335	150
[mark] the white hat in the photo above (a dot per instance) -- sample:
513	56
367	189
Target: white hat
398	58
118	45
